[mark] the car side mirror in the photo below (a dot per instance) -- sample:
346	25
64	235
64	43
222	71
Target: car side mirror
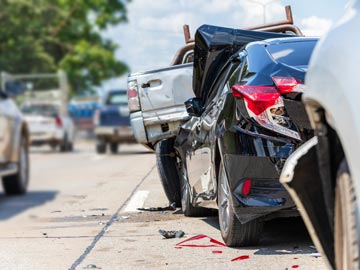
193	106
14	88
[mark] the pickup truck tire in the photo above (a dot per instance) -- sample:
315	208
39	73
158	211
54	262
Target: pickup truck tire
100	146
114	147
346	234
166	162
232	231
17	183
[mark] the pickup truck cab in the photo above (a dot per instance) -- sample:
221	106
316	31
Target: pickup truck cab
112	122
14	142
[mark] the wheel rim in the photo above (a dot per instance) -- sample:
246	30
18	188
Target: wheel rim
224	202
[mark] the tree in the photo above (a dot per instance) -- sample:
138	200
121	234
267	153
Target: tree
43	36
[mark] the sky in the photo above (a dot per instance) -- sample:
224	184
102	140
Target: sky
154	30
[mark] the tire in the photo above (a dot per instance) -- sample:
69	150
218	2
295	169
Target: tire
100	146
188	209
232	231
166	161
64	144
114	147
70	147
17	184
346	235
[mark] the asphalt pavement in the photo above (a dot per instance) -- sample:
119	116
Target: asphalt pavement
81	213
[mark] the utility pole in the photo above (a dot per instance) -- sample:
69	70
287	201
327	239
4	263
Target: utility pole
263	5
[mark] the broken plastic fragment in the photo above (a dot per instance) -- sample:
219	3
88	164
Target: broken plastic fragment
125	217
92	266
171	207
217	252
240	258
315	254
295	266
212	242
172	234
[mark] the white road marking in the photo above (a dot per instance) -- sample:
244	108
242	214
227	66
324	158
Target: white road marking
137	201
97	157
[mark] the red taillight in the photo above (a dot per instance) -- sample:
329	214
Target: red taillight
246	187
285	84
258	98
133	96
132	93
58	121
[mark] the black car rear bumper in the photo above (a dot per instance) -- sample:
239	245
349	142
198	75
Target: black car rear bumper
260	161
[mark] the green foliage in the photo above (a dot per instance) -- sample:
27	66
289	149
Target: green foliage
45	35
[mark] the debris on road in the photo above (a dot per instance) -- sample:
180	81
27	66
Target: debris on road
295	266
125	217
209	242
217	252
171	207
172	234
240	258
92	266
315	254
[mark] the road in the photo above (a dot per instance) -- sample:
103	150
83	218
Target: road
80	213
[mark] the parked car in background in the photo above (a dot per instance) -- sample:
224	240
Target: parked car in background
112	122
323	176
47	125
14	142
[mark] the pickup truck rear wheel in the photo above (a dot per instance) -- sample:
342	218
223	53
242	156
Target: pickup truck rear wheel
17	183
114	147
232	231
166	161
346	234
100	146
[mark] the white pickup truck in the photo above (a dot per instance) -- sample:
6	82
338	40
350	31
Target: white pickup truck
156	104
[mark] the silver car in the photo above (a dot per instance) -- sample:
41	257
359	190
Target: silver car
14	142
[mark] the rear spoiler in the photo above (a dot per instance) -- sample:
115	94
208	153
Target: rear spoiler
277	27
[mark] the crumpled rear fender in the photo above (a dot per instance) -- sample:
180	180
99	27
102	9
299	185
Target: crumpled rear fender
301	178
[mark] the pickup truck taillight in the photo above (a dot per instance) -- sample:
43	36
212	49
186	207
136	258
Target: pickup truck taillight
133	97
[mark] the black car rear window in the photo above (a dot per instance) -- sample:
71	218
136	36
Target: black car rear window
292	53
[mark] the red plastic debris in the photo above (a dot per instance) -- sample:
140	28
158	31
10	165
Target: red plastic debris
216	251
240	258
295	266
212	242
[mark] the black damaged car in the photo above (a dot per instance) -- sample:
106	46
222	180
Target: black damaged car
246	120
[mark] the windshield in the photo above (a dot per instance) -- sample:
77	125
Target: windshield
292	53
117	99
40	109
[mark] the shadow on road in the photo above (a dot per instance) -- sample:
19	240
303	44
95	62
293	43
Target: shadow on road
13	205
281	236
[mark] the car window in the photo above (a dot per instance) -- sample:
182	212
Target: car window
218	88
117	99
292	53
40	109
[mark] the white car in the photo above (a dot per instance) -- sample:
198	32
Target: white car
48	126
14	141
323	176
